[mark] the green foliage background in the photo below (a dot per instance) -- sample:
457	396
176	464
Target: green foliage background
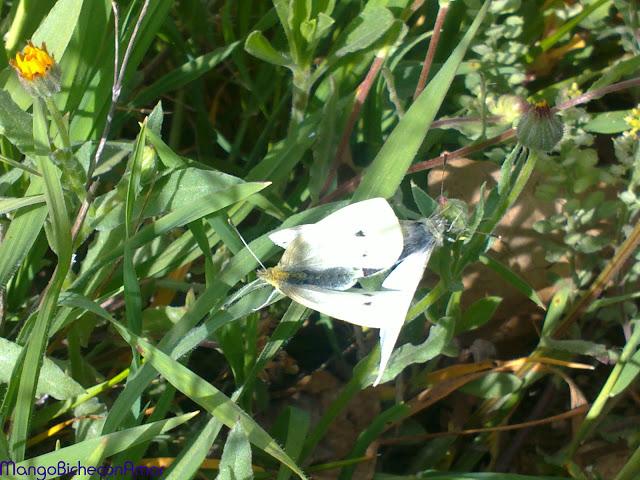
117	253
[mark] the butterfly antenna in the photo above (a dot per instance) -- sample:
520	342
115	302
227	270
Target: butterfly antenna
445	156
245	243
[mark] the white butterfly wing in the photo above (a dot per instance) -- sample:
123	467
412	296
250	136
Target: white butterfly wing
283	238
403	279
367	309
365	234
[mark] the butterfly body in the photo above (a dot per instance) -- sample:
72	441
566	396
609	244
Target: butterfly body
334	278
422	235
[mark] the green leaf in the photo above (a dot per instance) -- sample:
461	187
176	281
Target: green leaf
53	381
191	458
177	218
609	122
132	295
512	278
493	385
629	373
564	29
58	216
21	234
426	205
184	74
440	336
556	309
8	204
108	445
294	423
206	395
235	463
581	347
258	46
15	123
58	27
478	313
171	192
384	175
370	25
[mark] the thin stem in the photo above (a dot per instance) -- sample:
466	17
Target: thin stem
118	77
116	89
393	93
632	467
620	258
361	95
594	414
19	165
351	184
597	93
431	298
59	122
431	51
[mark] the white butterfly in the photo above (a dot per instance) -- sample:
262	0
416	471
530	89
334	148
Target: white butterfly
323	261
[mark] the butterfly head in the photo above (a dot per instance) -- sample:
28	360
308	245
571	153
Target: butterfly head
274	276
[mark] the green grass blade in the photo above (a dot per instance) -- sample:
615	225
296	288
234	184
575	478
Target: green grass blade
514	280
132	295
8	204
110	444
184	74
35	348
235	463
188	462
206	395
386	172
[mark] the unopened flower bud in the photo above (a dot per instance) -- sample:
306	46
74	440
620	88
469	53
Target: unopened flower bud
539	127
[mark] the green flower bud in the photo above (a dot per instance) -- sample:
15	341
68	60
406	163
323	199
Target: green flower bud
540	128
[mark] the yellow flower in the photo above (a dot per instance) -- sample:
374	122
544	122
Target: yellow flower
633	120
37	70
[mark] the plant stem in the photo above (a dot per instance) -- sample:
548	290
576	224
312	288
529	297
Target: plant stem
63	131
431	51
594	414
431	298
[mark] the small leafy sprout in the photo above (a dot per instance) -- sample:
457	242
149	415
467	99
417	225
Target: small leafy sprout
539	127
37	70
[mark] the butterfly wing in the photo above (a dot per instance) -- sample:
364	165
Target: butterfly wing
365	234
283	238
404	280
367	309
